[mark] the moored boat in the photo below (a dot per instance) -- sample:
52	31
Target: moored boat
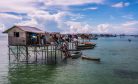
86	45
76	54
91	58
94	38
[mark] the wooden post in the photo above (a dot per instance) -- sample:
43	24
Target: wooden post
36	54
17	58
39	40
69	44
51	52
42	52
9	54
55	54
26	54
19	53
72	45
77	45
61	51
45	53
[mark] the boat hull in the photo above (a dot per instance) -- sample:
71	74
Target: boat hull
91	58
76	54
86	46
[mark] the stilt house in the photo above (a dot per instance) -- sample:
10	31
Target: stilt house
24	35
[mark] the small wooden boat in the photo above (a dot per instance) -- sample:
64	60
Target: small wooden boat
94	38
91	58
86	45
76	54
129	40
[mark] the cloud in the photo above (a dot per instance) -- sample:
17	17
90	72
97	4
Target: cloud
103	28
25	6
17	5
130	23
37	16
106	28
45	21
93	8
32	23
129	27
121	4
129	16
77	27
3	16
2	27
74	17
8	20
71	2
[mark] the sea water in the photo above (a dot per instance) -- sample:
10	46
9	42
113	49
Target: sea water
119	65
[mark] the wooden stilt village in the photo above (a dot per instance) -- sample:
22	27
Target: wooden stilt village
32	45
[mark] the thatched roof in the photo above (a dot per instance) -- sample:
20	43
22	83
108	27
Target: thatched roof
26	29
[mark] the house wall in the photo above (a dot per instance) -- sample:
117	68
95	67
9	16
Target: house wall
21	40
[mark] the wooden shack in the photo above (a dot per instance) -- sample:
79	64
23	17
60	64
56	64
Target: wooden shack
24	35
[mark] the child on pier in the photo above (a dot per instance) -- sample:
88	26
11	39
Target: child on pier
65	50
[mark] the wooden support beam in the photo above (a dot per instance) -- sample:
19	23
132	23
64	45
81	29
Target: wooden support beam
42	53
47	54
55	54
36	54
27	54
17	53
9	54
51	52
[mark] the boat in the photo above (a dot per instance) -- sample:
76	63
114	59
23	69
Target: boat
86	45
81	47
91	58
76	54
94	38
129	40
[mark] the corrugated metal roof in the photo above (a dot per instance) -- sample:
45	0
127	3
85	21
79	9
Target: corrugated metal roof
30	29
27	29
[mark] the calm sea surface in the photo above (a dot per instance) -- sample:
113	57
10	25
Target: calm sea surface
119	65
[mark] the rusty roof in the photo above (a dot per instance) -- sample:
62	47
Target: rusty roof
26	29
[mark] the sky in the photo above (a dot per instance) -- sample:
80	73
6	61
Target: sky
72	16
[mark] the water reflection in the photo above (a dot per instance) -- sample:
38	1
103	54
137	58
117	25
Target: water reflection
31	74
126	73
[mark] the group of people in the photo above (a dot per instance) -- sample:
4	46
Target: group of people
57	39
60	41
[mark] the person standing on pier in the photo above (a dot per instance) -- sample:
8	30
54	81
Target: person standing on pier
42	38
75	40
65	49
